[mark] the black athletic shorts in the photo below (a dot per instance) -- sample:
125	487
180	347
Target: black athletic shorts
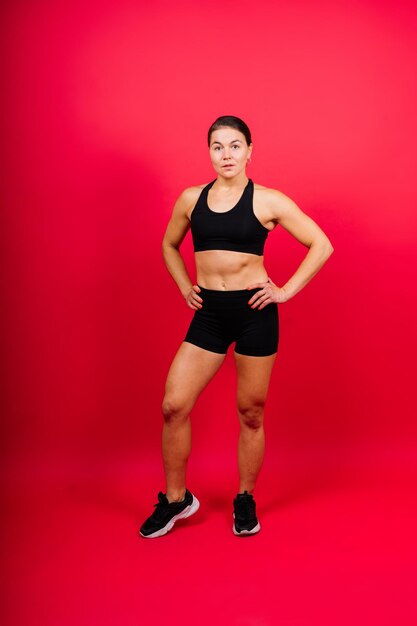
227	317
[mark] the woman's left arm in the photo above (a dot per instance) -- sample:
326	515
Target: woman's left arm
285	212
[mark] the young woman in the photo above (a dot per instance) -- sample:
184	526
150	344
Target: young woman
234	301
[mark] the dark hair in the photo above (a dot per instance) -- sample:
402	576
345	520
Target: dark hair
232	122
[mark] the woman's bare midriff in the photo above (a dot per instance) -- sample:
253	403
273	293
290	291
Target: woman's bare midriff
227	270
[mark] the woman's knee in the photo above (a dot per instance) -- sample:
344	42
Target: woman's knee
175	408
251	414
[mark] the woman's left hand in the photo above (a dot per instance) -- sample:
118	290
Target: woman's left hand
268	292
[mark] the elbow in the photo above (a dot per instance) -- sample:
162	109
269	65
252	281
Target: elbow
167	247
328	251
327	247
164	250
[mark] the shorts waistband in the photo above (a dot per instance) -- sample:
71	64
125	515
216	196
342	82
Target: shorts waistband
228	293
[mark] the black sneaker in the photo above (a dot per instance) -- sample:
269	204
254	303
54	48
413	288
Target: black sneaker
245	520
167	513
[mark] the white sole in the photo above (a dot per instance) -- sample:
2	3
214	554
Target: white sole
189	510
254	530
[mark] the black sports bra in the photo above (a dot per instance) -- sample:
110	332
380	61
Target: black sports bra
237	229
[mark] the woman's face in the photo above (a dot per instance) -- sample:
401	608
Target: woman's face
228	147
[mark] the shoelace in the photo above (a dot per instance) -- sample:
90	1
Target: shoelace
160	506
245	507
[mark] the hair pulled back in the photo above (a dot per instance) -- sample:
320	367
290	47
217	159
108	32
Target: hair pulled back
233	122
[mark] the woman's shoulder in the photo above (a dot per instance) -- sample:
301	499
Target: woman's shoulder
194	189
268	194
267	190
189	196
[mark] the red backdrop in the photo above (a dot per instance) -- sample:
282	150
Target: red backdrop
106	109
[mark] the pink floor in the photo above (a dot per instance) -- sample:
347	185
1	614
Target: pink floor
337	546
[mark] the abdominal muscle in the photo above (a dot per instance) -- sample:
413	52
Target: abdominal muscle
227	270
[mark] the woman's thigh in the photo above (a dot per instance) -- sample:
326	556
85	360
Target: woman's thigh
190	372
254	375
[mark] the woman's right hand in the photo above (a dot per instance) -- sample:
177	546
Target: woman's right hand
192	299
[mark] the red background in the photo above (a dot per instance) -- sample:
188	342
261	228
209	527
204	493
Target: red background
106	108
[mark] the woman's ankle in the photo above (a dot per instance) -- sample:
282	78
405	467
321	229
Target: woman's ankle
176	496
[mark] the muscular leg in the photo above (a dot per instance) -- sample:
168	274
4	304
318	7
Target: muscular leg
254	374
190	371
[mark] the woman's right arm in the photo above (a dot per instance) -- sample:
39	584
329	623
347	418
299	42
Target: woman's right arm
176	230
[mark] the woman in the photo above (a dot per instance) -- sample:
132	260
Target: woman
234	301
